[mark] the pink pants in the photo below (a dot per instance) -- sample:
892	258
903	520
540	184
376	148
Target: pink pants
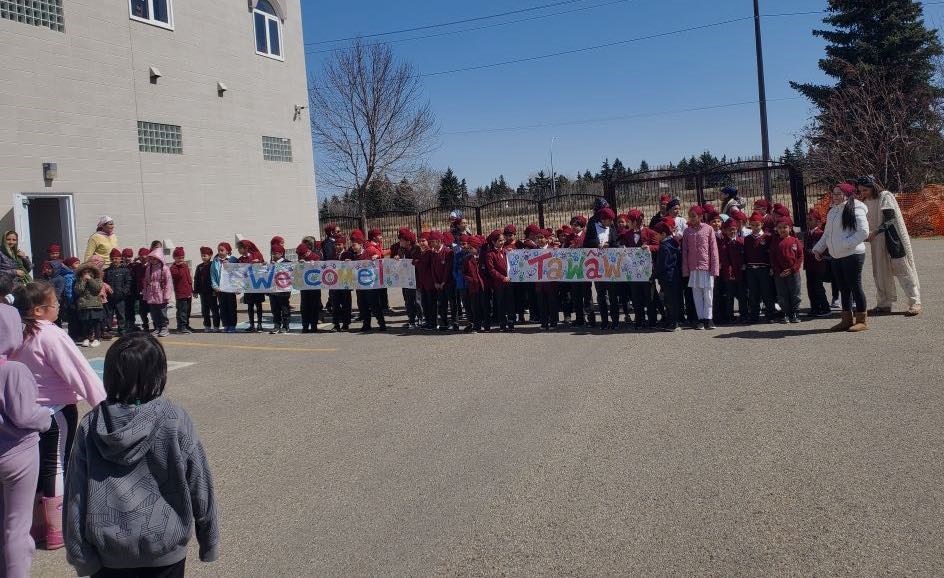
19	473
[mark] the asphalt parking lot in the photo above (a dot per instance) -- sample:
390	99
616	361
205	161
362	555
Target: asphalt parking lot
752	451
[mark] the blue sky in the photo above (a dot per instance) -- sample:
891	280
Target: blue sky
702	68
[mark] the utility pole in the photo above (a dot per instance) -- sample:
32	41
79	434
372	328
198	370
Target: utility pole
553	178
762	94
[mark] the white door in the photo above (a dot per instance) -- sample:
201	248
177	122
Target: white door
21	222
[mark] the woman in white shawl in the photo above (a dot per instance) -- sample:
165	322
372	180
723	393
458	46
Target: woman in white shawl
892	257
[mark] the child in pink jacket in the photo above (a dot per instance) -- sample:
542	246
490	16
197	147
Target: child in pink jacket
700	264
20	420
63	376
158	290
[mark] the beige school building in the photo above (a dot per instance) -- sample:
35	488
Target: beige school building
184	121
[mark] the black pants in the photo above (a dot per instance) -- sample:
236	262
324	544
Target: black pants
472	304
688	303
503	306
759	290
144	309
428	298
672	297
848	272
816	291
115	311
210	310
656	307
130	304
159	315
577	294
565	299
608	299
409	300
734	290
311	310
227	309
546	301
788	294
370	300
183	313
341	298
361	306
172	571
254	303
281	313
486	304
55	447
452	297
639	293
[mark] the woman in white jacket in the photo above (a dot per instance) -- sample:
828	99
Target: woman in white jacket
892	257
847	228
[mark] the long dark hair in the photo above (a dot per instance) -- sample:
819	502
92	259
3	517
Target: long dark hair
848	212
135	369
28	297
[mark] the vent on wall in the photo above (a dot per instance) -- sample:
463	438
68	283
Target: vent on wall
45	13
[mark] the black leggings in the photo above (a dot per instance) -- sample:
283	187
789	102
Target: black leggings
848	273
55	445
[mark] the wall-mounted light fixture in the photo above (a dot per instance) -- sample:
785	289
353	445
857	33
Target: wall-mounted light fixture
298	111
50	172
154	73
221	88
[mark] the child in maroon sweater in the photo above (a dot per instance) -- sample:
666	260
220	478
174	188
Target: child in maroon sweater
496	278
474	292
183	290
786	262
731	278
817	271
757	275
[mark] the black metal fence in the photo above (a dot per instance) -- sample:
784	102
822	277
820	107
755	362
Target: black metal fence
780	183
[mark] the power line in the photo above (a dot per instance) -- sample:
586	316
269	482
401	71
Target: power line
589	48
463	21
615	118
495	25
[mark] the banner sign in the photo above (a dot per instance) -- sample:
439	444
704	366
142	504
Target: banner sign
315	275
580	265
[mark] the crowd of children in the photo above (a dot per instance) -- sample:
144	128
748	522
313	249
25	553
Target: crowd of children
710	267
62	479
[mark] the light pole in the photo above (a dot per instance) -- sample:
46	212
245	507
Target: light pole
762	96
553	178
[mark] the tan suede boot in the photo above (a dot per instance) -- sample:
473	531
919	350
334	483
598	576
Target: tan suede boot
861	323
845	324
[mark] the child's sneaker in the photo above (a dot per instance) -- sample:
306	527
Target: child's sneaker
95	343
84	343
163	332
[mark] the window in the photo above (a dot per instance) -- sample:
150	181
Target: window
277	149
45	13
154	137
156	12
268	30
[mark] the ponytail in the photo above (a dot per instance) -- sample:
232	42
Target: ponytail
848	214
27	298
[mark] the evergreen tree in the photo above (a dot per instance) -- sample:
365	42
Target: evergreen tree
643	167
450	190
606	173
618	171
876	37
404	197
522	190
588	176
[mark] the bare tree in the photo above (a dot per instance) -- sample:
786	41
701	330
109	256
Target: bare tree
873	125
369	118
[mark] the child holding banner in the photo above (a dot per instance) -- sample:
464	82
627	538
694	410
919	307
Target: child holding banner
496	272
227	301
579	292
341	298
369	299
249	253
278	301
406	248
310	298
639	292
545	294
601	234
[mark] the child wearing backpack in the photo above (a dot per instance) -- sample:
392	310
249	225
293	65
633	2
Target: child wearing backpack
137	453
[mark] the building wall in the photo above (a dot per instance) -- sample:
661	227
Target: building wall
74	98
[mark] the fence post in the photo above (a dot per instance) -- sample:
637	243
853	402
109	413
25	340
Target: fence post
541	212
798	195
700	187
609	193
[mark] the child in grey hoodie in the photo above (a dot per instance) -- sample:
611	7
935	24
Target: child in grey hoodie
138	480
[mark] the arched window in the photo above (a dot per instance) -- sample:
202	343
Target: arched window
268	30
